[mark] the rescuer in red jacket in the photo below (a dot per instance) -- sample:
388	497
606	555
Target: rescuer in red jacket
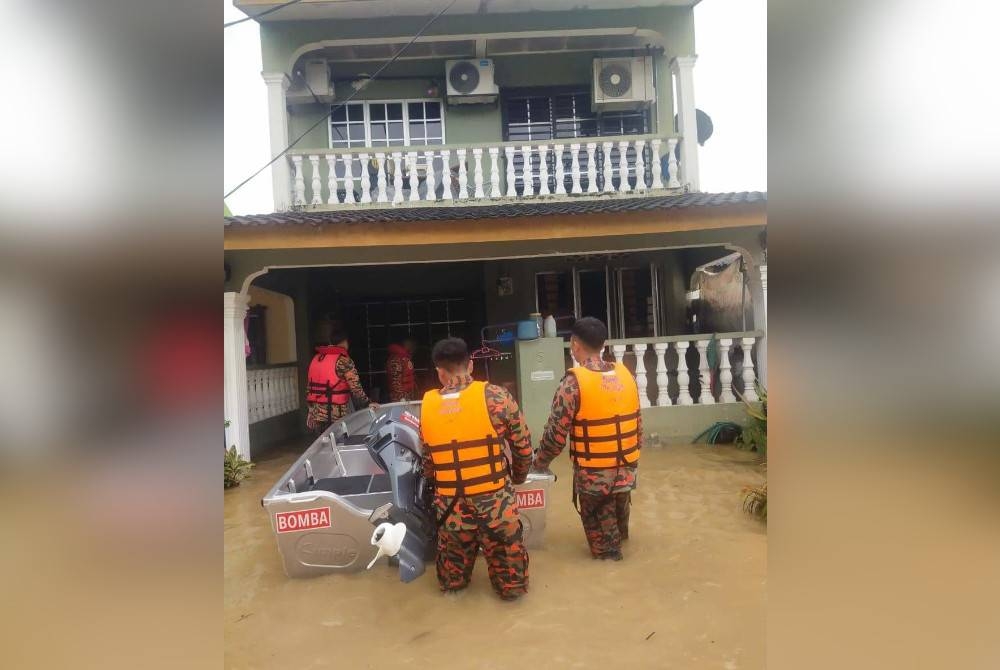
333	382
399	369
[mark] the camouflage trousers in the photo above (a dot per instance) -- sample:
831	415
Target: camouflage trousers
605	521
491	522
605	501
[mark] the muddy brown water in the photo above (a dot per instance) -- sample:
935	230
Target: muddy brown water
689	594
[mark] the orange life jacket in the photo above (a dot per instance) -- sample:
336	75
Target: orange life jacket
606	425
324	384
466	450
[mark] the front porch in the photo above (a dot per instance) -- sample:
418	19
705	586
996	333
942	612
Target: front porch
689	379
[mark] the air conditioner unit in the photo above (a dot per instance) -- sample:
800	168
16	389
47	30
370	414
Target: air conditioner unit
470	81
313	86
623	83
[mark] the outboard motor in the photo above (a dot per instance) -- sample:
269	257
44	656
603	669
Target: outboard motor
395	447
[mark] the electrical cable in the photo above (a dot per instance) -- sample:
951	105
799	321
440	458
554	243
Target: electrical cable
264	13
349	98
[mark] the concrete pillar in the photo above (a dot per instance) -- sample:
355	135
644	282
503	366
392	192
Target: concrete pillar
235	372
760	319
277	114
687	124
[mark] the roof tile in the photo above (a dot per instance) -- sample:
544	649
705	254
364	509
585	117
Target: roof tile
588	205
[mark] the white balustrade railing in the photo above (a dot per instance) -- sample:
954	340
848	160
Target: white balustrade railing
394	175
272	391
675	374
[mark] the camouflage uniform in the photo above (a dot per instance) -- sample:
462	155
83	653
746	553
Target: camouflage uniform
489	520
320	415
604	494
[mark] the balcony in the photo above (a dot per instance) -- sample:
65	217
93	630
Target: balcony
327	179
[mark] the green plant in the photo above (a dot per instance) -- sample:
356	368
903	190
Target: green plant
755	500
237	469
754	435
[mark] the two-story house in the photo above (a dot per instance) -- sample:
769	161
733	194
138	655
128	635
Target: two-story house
517	157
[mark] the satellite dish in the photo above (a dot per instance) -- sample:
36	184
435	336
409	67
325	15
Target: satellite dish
464	77
615	80
704	124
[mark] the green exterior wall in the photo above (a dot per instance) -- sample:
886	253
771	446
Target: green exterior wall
679	424
473	123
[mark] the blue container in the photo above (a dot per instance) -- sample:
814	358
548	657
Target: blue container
527	330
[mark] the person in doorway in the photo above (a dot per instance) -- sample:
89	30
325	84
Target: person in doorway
463	427
597	404
333	382
399	369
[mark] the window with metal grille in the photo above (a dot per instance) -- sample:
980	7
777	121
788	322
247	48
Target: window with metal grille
536	115
374	325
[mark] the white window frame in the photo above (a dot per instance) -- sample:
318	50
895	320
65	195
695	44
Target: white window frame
406	122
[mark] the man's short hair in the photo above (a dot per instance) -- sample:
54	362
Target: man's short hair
450	353
591	332
337	335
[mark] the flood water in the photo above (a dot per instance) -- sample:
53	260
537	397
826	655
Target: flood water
689	594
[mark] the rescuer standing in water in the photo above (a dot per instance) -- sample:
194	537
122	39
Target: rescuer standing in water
332	382
463	428
597	404
399	370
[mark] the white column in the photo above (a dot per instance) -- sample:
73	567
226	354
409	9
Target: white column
575	169
684	396
317	186
494	172
683	69
762	344
623	186
411	163
381	179
640	373
277	117
511	177
543	170
477	174
591	167
235	372
446	174
662	388
657	168
331	179
618	351
397	177
609	168
529	182
704	374
559	150
640	166
463	175
749	378
672	180
430	183
348	178
725	371
366	182
300	182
